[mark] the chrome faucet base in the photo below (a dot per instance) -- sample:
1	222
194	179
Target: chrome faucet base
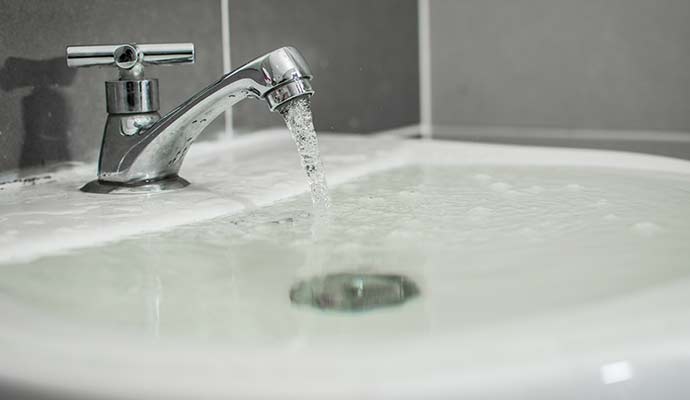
150	187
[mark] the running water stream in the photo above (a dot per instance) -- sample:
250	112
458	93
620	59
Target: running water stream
355	291
298	119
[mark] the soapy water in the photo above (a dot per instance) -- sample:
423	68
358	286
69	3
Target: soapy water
477	255
298	118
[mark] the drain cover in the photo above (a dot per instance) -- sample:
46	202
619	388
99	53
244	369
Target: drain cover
353	291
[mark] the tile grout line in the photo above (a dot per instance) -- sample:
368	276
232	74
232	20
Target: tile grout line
424	38
227	66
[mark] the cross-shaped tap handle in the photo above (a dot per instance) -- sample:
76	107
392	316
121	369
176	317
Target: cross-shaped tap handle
130	58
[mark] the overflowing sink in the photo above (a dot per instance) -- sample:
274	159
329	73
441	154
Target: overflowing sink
531	273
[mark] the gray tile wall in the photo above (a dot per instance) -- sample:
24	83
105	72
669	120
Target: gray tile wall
49	113
363	53
587	64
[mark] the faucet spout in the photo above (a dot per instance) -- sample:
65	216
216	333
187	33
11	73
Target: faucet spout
153	148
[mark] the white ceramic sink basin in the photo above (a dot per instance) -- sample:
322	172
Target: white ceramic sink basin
543	274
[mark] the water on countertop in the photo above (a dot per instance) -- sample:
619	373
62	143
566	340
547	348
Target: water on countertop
484	244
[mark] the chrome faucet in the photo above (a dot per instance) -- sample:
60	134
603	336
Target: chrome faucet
142	151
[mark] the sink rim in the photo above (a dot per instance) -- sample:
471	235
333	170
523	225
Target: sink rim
47	346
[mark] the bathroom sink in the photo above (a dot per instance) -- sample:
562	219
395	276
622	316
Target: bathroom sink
541	274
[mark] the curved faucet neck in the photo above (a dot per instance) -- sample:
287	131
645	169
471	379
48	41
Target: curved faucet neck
140	148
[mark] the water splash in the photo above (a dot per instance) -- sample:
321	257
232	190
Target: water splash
298	118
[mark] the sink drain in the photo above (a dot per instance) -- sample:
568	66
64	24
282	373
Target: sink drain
353	291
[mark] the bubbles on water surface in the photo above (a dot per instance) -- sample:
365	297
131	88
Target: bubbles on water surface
500	187
479	213
647	229
535	189
407	193
437	224
601	203
482	178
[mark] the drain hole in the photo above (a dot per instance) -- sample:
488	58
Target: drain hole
353	291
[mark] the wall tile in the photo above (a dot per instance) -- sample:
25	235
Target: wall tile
364	56
49	113
584	64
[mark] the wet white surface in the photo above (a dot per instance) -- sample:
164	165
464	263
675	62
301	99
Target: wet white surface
544	273
226	177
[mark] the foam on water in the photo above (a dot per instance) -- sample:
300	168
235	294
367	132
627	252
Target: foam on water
298	118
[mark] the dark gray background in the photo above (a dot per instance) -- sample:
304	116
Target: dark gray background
584	64
364	55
